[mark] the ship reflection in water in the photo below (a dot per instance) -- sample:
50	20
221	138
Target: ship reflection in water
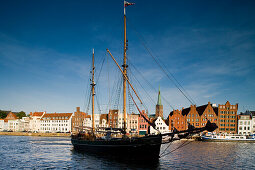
21	152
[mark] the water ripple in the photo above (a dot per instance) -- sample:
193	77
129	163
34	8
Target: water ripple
23	152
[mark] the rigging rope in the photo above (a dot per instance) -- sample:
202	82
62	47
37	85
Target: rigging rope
181	146
165	71
151	85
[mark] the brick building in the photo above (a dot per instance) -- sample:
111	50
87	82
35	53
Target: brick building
77	119
223	115
228	118
113	118
143	125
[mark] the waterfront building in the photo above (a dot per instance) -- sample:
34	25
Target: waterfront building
103	120
143	125
132	123
24	124
113	118
77	119
177	119
245	123
88	120
195	116
56	122
227	118
160	126
11	122
223	115
35	121
120	120
252	121
2	128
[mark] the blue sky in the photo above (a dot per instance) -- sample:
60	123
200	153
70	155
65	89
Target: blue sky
46	48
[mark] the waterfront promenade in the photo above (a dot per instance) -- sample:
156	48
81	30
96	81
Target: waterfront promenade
35	134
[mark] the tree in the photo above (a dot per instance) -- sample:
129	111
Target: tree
21	114
3	114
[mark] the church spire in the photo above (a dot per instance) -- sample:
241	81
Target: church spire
159	97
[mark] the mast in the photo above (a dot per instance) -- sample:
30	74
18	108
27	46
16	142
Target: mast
124	70
93	92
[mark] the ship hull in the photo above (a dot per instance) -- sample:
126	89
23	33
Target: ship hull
142	148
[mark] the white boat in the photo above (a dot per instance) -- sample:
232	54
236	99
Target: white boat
229	138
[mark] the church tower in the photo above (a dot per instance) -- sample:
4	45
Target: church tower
159	106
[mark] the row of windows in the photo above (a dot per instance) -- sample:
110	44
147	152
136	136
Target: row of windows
227	125
161	128
227	112
222	120
48	118
47	128
244	122
244	128
222	116
223	129
48	121
54	125
143	126
231	107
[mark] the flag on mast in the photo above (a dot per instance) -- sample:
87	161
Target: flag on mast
128	3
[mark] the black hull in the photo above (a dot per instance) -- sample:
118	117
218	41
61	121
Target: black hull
142	148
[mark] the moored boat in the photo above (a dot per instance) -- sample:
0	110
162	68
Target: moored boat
229	138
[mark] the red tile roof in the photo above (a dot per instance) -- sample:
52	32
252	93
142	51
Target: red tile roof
57	116
36	114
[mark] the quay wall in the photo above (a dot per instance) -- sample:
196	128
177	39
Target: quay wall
36	134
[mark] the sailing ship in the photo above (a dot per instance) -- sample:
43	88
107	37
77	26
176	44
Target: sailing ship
90	139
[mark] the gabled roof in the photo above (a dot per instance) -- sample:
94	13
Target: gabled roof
185	111
247	112
200	110
11	116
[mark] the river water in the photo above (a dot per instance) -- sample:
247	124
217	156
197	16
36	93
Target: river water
23	152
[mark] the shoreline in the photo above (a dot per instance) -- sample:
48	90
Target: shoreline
35	134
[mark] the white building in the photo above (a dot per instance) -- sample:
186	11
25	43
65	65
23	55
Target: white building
120	120
246	123
100	120
2	127
24	124
160	125
35	121
132	123
56	122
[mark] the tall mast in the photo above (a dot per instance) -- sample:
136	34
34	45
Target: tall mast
124	70
93	93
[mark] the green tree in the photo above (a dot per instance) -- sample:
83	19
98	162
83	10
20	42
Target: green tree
3	114
21	114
